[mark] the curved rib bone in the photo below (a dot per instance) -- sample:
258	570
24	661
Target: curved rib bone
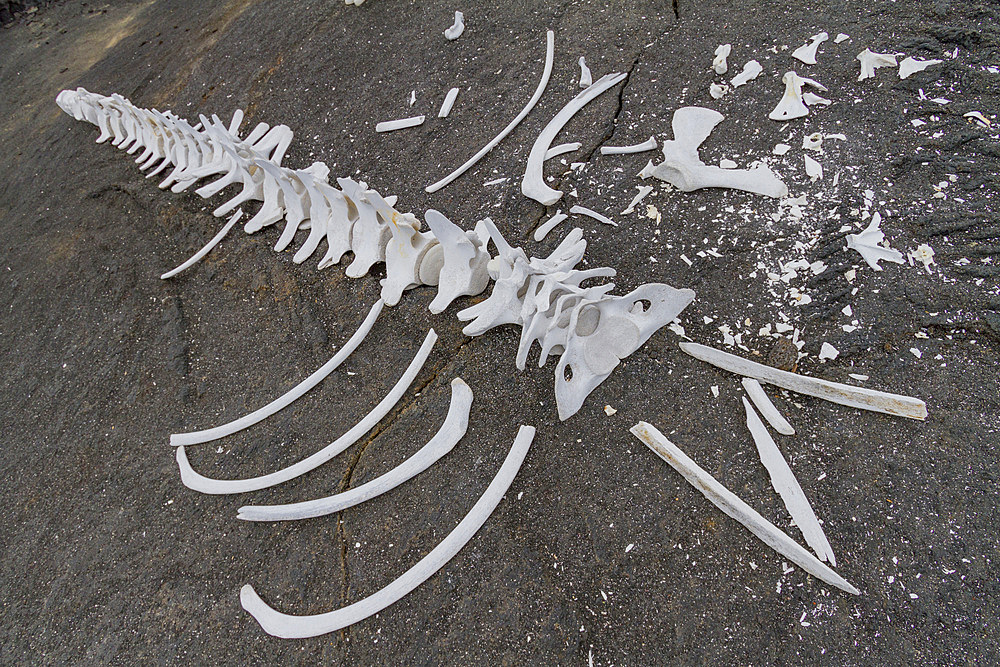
451	431
285	625
197	257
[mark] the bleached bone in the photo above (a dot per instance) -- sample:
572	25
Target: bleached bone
731	505
910	66
869	244
719	62
285	625
717	91
407	247
550	224
457	28
401	124
812	99
788	488
562	148
766	407
462	263
369	234
193	480
546	72
197	257
586	78
643	191
750	72
451	431
648	145
841	37
855	397
449	102
682	168
533	185
283	401
582	210
792	105
807	52
870	61
814	170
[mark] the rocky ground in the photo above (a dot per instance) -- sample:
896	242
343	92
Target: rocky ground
600	551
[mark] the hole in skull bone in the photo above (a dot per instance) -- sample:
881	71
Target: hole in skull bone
568	373
641	306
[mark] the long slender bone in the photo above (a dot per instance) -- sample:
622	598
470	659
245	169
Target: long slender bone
290	627
198	256
286	399
193	480
451	431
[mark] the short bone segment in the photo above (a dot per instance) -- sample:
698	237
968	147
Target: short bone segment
294	627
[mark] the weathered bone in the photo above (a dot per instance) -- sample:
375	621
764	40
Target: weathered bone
807	52
869	244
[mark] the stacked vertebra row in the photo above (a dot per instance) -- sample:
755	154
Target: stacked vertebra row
591	329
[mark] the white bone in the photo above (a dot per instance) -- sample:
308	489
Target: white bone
403	254
369	234
457	28
979	118
463	262
586	78
449	102
197	257
402	123
562	148
911	66
648	145
717	91
549	225
781	149
719	62
791	104
682	168
338	225
814	170
643	191
451	431
547	71
750	72
812	99
869	244
788	488
766	407
870	61
197	482
807	52
731	505
288	626
533	185
841	37
581	210
855	397
286	399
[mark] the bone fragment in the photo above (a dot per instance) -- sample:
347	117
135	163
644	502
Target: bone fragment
562	148
402	123
807	52
812	99
451	431
814	170
788	488
841	37
288	626
766	407
283	401
750	72
193	480
648	145
911	66
197	257
731	505
719	62
533	185
855	397
586	78
870	61
457	28
643	191
869	244
549	225
549	55
717	91
449	102
792	105
580	210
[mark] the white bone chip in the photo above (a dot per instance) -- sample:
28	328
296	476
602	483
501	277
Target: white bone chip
792	105
911	66
586	78
869	244
402	123
449	102
750	72
648	145
814	170
870	61
457	28
827	351
593	214
841	37
807	52
719	62
717	91
643	191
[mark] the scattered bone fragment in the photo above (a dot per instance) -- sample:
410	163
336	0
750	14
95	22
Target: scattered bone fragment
870	61
813	142
718	91
452	430
814	170
910	66
647	171
807	52
855	397
792	105
731	505
586	78
726	163
549	57
413	97
198	256
561	149
812	99
402	123
581	210
608	410
750	72
781	149
648	145
841	37
550	224
719	62
295	627
457	28
283	401
827	351
533	184
496	181
979	118
766	407
682	168
449	102
643	191
869	244
923	254
788	488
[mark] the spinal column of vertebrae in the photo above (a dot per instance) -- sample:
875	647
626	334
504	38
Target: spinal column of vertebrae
591	329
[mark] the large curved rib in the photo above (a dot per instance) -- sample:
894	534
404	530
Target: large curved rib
193	480
295	627
283	401
197	257
451	431
549	57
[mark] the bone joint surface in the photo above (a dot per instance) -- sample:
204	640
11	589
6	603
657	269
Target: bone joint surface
683	168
